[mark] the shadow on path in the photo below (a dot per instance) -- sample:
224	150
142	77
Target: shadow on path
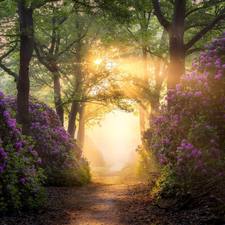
99	202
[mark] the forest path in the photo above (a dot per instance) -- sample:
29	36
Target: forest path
99	203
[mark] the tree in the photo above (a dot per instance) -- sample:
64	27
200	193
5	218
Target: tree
26	50
26	33
146	53
186	16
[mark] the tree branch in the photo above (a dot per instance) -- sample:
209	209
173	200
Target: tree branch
10	72
190	51
159	56
162	20
205	30
9	52
47	65
203	7
193	26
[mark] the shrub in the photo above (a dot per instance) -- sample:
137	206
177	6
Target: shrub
20	179
187	137
59	154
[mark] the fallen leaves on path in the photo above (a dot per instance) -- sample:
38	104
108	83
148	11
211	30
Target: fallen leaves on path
134	206
141	208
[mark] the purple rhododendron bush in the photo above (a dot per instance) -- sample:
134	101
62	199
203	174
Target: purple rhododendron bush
186	140
20	178
56	152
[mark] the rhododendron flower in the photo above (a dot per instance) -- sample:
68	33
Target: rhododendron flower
204	171
22	180
1	150
183	145
194	152
6	113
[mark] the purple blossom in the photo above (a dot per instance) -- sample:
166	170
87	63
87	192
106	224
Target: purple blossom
22	180
194	151
204	171
6	113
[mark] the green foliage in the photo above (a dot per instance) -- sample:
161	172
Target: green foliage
20	180
187	136
59	155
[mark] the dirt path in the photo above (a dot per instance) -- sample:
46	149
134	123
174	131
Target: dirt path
99	203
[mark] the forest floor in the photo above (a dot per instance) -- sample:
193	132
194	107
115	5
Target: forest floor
113	198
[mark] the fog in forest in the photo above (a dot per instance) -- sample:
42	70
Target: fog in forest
118	135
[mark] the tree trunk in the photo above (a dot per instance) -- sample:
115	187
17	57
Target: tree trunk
142	117
57	97
176	45
143	114
26	49
81	130
145	64
72	118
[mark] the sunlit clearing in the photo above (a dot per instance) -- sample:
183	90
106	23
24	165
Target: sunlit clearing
98	61
117	139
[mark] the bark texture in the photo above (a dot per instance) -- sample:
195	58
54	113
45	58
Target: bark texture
81	130
72	118
177	50
26	49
